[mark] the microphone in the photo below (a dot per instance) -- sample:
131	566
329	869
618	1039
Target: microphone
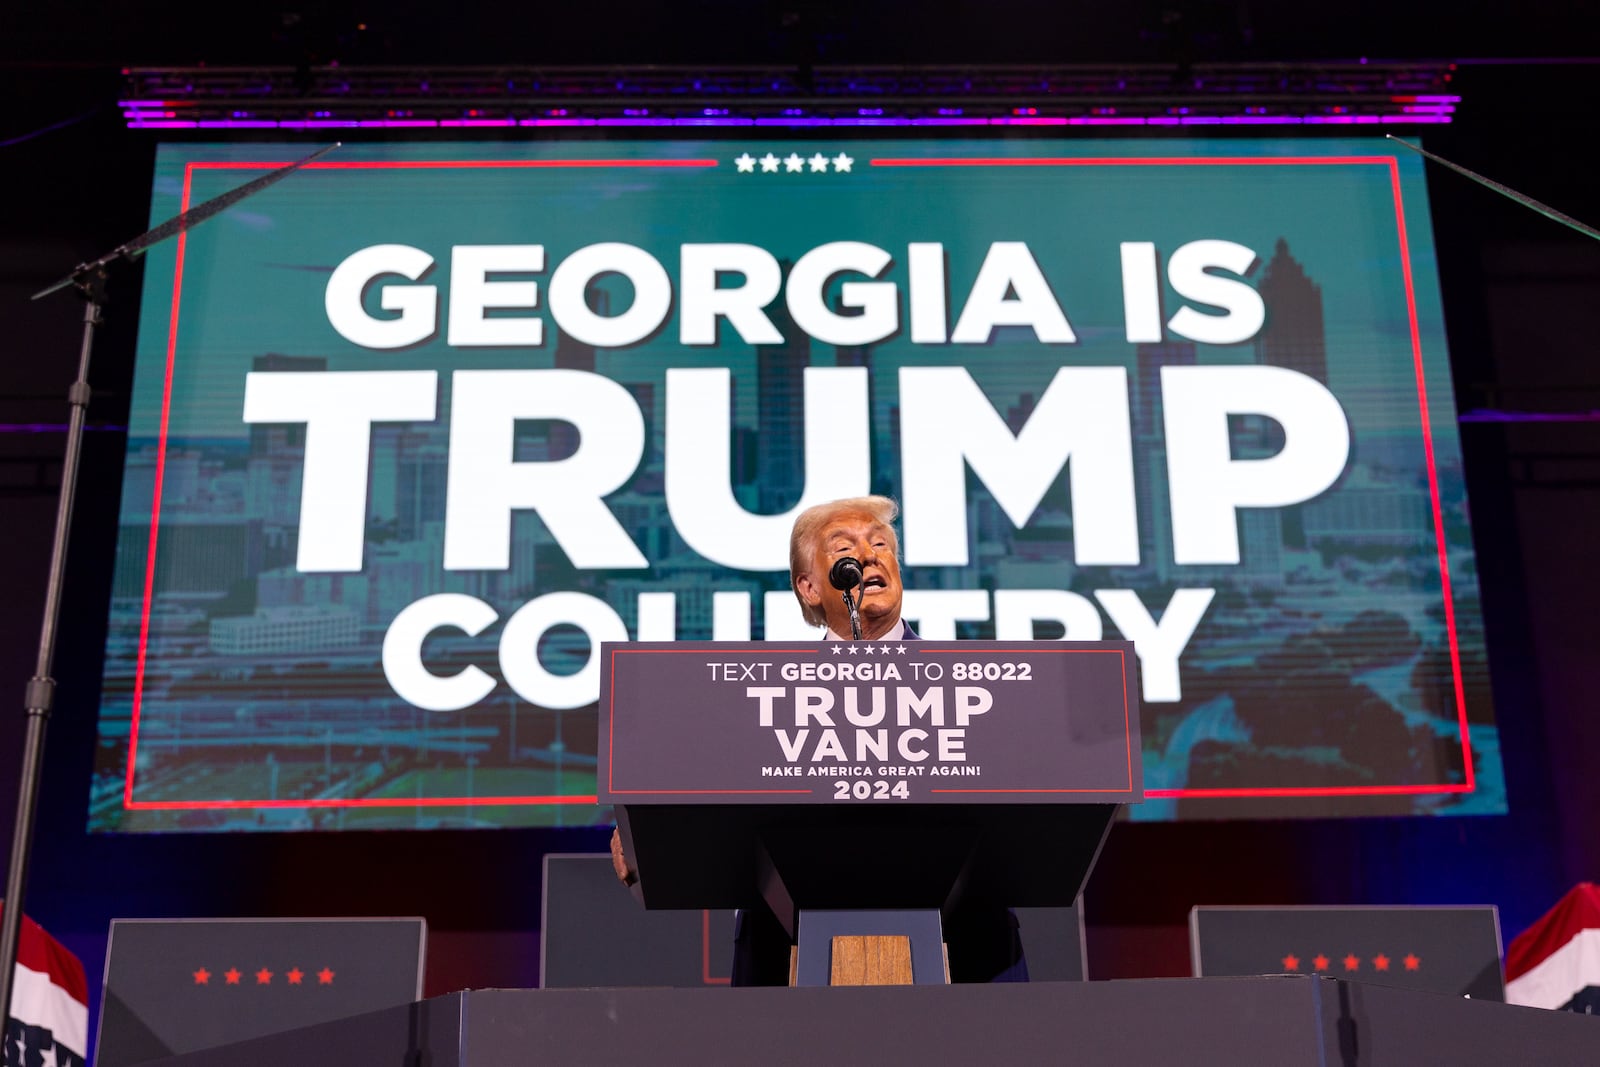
846	574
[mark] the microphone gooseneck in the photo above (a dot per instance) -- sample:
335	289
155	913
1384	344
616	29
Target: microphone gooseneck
845	575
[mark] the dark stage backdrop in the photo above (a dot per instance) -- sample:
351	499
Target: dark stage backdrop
414	430
1518	294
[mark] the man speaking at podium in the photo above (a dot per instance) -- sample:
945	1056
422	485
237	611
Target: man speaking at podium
844	541
836	548
847	543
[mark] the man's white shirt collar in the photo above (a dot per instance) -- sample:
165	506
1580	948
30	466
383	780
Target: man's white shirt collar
898	633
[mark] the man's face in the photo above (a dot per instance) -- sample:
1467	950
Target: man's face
858	534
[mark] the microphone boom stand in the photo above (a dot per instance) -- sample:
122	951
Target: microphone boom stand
855	616
89	279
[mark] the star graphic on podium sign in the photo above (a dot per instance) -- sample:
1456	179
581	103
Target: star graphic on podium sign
819	162
900	651
325	976
1291	962
769	164
263	977
841	163
886	648
202	977
746	163
854	650
295	975
838	648
1319	962
231	975
868	650
793	163
1352	962
1412	961
1381	962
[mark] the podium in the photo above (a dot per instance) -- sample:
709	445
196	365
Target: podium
864	788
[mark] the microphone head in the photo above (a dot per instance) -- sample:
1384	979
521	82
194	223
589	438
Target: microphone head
846	573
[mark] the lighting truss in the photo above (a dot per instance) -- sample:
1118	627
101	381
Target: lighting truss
1147	95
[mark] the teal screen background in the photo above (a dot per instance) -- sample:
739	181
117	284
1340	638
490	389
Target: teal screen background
1322	679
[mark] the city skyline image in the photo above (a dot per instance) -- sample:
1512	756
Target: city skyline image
1321	669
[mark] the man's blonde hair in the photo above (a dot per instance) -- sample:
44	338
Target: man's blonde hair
808	527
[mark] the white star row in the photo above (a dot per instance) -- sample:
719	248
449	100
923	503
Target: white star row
793	163
895	648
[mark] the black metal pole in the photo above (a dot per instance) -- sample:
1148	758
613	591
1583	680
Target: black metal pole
40	694
89	279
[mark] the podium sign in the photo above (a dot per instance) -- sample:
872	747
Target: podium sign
869	723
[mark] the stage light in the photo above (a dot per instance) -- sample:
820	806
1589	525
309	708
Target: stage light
1133	95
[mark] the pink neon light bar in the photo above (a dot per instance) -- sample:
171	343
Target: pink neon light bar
1414	114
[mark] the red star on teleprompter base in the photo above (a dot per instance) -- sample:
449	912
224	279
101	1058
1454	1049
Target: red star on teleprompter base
325	976
295	975
1381	962
1352	963
263	977
1291	962
202	977
1412	962
1319	962
231	975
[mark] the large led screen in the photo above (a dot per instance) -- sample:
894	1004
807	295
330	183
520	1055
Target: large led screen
419	426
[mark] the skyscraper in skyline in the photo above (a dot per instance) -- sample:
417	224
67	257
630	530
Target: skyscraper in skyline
1293	335
780	438
1150	451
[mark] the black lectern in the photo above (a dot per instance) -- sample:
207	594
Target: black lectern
850	777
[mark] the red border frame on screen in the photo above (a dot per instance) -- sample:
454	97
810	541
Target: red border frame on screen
1390	162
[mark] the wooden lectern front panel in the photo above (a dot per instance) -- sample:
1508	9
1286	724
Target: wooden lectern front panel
871	960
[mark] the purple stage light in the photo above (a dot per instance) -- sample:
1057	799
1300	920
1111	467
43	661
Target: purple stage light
164	120
57	427
1227	93
1488	415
